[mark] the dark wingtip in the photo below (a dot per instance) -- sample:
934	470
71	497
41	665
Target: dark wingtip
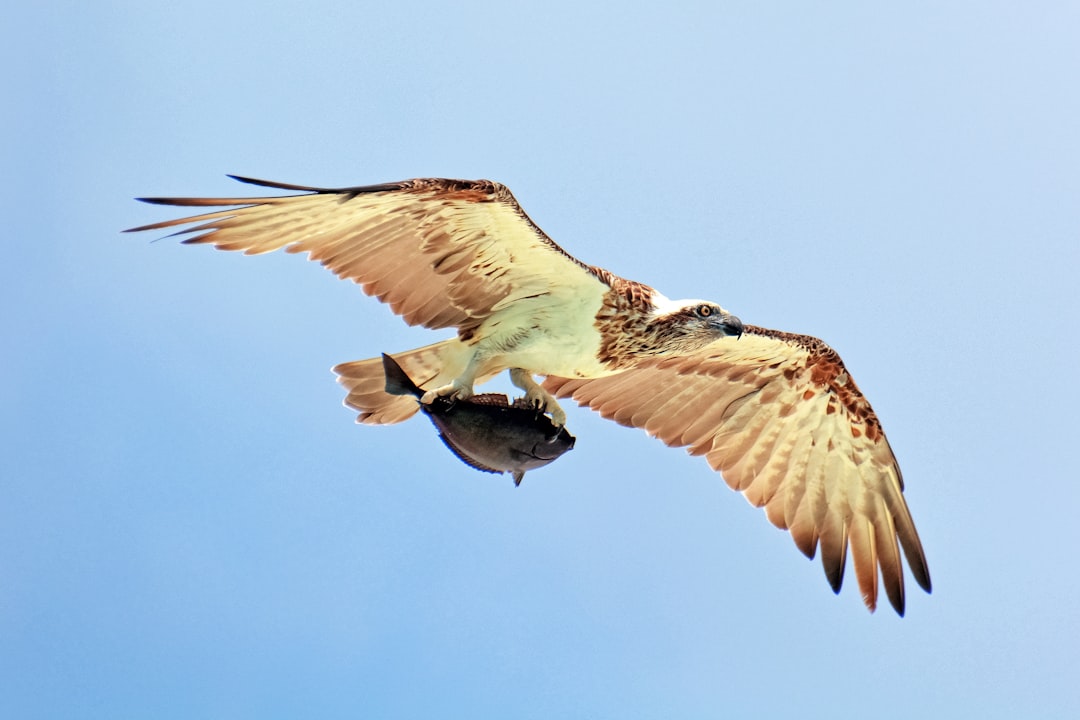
922	576
156	200
278	185
896	596
836	583
834	571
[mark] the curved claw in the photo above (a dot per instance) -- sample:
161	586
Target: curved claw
543	401
538	397
558	415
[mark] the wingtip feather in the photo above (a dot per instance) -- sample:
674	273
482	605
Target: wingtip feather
277	185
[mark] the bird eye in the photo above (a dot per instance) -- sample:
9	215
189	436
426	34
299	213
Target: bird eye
704	311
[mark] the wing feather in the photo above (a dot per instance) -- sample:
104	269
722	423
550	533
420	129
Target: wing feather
892	572
753	463
864	557
833	540
779	417
442	253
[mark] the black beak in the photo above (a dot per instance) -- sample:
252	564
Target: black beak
731	326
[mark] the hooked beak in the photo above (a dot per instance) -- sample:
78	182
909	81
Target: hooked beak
730	326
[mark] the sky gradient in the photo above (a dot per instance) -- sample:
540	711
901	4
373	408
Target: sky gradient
192	526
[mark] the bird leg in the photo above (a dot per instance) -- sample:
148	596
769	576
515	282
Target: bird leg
537	396
461	388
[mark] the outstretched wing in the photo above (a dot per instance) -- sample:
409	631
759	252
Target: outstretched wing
442	253
778	415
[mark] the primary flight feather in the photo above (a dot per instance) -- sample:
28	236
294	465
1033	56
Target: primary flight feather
775	413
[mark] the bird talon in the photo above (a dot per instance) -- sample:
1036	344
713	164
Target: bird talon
452	392
540	399
535	396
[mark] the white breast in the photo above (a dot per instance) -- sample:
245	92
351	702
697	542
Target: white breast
553	334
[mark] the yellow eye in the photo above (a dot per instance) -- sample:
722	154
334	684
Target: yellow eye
704	311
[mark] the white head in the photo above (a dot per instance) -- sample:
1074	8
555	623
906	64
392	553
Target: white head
688	325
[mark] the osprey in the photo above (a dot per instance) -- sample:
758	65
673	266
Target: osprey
776	413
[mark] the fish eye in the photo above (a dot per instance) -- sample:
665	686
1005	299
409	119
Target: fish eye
704	311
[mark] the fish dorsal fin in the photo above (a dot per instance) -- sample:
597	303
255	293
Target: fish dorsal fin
501	401
465	458
490	399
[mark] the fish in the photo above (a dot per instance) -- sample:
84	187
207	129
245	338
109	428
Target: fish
488	432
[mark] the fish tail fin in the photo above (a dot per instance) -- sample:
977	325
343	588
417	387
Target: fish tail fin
397	381
368	382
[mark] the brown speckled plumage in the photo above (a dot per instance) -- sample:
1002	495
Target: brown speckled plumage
623	321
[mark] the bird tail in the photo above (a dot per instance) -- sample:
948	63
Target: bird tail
429	367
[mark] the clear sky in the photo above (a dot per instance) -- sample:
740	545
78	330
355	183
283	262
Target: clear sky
192	526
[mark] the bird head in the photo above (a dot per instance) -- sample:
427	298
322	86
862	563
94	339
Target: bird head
688	325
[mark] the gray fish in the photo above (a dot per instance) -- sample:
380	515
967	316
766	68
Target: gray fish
486	431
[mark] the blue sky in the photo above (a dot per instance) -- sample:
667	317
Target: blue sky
192	526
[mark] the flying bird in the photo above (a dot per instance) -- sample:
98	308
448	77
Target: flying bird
776	413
